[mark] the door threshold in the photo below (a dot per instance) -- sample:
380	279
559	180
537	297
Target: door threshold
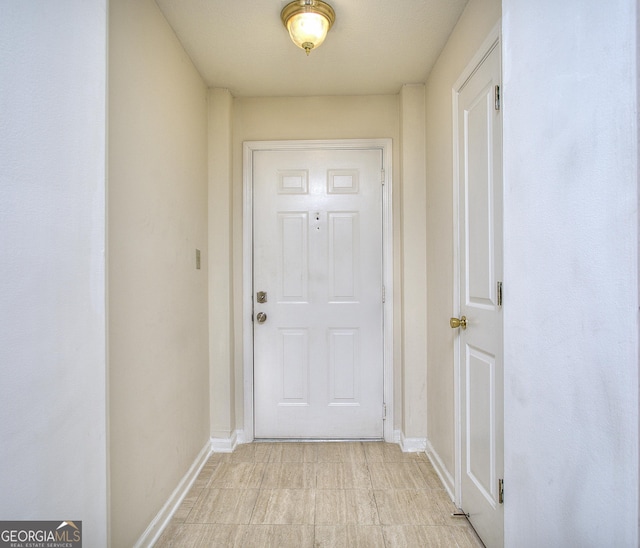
315	440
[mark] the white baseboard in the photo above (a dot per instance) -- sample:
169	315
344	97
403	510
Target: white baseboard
162	519
227	445
445	477
412	445
397	436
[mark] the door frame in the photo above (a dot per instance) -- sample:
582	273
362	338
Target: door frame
493	40
249	147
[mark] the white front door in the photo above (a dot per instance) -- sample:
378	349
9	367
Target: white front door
480	292
317	268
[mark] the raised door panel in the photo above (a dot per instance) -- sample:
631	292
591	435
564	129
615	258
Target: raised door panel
293	366
344	256
344	366
480	422
479	211
293	255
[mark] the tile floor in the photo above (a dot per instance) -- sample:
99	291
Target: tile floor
351	494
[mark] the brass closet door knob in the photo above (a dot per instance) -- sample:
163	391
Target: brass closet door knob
455	322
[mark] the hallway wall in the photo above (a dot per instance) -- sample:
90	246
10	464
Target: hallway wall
344	117
157	218
475	23
53	438
571	273
412	259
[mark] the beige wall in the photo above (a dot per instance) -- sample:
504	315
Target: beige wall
414	266
157	217
284	118
221	334
477	20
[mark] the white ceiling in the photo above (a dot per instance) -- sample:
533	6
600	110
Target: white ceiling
374	47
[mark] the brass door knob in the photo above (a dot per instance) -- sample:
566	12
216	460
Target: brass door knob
455	322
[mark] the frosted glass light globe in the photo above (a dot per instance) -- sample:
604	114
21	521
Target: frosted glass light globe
308	22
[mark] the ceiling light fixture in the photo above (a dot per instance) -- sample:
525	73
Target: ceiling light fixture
308	22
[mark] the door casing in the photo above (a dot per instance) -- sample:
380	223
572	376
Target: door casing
249	147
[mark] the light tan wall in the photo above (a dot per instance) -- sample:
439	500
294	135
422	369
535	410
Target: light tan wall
157	194
477	20
342	117
414	265
221	341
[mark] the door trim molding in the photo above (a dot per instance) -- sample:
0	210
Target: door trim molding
249	147
493	40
